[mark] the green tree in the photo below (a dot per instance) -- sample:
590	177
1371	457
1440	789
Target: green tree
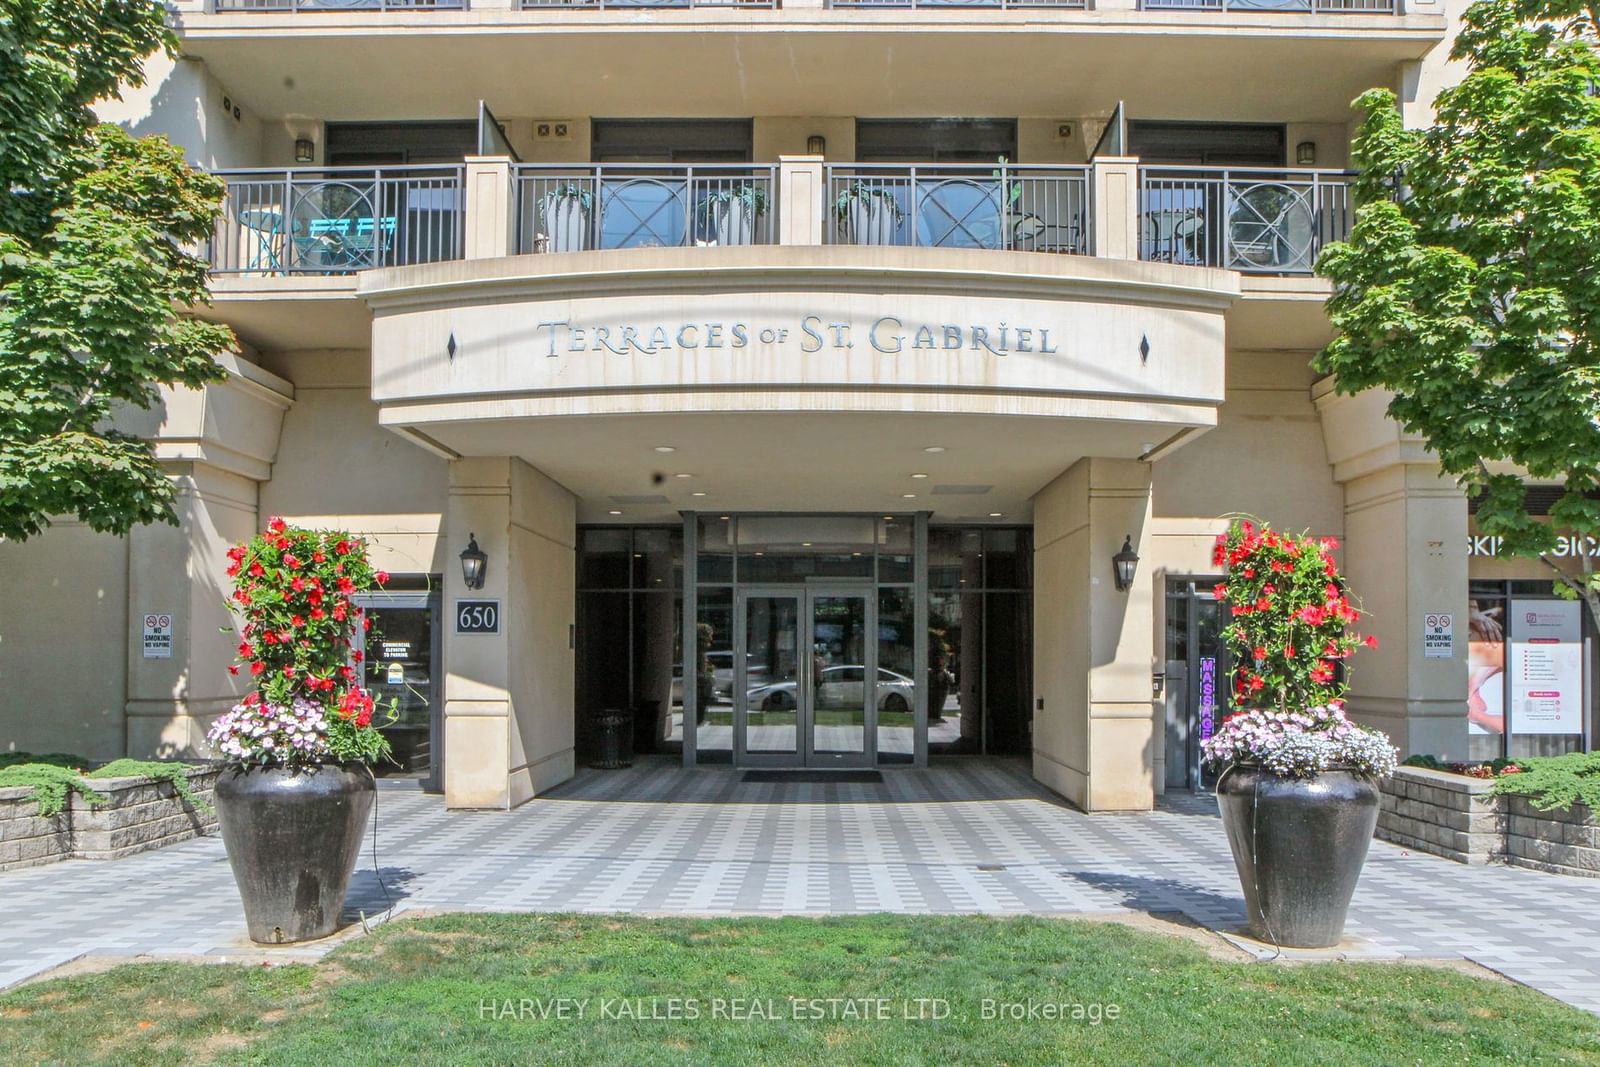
93	229
1470	283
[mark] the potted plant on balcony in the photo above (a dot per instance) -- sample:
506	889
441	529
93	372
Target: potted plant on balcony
734	211
567	208
294	801
1298	787
868	213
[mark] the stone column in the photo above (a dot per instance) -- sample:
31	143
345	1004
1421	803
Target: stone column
489	219
508	696
1116	206
800	200
1093	644
217	444
1405	556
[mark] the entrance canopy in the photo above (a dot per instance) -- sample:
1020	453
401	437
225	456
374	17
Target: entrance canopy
652	381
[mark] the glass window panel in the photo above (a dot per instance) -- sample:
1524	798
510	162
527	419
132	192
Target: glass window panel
839	628
601	664
896	537
715	559
657	682
399	668
897	671
793	548
603	558
657	558
955	557
1486	677
955	672
713	675
772	673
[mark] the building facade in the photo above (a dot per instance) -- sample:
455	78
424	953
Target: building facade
800	370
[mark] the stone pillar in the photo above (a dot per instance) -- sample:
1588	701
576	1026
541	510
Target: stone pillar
508	696
1116	206
1404	556
800	200
489	219
217	444
1093	644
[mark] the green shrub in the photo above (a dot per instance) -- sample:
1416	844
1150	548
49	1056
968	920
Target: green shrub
1555	782
50	783
53	775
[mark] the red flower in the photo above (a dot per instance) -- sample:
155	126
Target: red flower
318	557
257	667
317	613
342	548
382	577
232	570
1288	650
356	655
276	524
296	620
268	637
1259	652
291	561
298	585
1371	641
1256	684
244	648
1220	591
233	669
346	585
288	672
257	570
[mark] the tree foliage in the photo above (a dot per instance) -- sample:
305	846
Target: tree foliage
93	263
1470	283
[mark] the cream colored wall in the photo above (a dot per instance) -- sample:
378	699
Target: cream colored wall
338	468
1038	141
182	99
540	615
784	135
64	638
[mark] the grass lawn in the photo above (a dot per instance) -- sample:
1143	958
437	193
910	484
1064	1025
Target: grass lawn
428	992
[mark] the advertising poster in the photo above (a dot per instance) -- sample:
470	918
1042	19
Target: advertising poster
1486	665
1546	667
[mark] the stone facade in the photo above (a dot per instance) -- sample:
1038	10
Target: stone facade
1461	819
1445	814
139	814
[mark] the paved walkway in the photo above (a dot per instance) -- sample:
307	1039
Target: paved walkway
963	836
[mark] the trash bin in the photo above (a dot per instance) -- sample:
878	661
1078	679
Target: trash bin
615	740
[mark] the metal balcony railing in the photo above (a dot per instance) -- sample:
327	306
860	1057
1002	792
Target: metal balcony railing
1020	207
1073	5
339	5
594	5
337	220
565	208
1282	7
1258	221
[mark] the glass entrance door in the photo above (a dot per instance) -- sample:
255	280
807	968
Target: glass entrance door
1196	680
805	687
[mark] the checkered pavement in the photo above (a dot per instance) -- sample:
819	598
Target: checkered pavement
967	835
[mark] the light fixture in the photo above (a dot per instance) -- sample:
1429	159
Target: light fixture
994	514
614	511
473	563
919	476
1123	564
697	494
908	496
683	476
934	448
816	145
1305	153
663	449
305	151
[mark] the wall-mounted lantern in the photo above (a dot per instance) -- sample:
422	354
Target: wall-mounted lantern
473	563
816	145
1305	153
1123	565
305	150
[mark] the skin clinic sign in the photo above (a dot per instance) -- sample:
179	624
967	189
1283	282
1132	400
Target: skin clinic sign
1546	666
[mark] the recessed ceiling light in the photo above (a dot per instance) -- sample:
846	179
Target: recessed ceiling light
665	448
888	518
908	496
683	476
919	476
805	544
761	553
934	448
724	518
697	494
614	511
994	514
855	553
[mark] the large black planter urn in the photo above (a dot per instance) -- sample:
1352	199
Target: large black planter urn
292	839
1299	845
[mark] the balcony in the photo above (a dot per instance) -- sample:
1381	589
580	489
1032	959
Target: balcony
1252	221
1285	7
337	220
565	208
1008	206
331	221
230	6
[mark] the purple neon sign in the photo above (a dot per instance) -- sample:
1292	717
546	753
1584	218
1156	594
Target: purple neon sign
1208	696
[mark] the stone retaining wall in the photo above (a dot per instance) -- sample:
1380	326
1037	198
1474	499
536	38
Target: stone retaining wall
1460	818
1447	815
140	814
